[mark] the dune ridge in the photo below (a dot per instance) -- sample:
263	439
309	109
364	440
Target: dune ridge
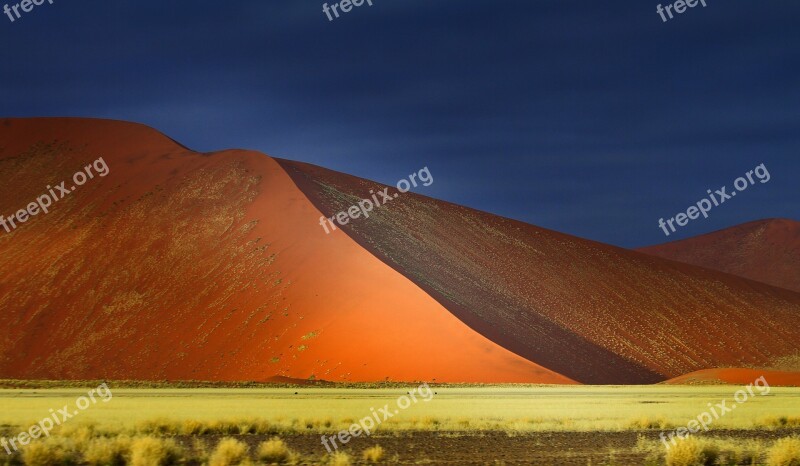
593	312
187	266
182	265
767	251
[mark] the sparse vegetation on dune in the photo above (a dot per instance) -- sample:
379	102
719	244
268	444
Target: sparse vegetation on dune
787	363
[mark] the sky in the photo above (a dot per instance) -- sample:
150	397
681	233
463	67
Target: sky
591	118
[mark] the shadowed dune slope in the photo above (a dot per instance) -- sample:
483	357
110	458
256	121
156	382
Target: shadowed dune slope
767	251
593	312
187	266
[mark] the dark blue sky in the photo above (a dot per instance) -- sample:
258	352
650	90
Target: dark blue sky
588	117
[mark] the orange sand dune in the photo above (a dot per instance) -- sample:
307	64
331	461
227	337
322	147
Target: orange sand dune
181	265
593	312
767	251
738	377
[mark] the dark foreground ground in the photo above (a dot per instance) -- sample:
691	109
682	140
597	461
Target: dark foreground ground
498	448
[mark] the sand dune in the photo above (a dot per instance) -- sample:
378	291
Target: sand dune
184	265
734	376
767	251
180	265
593	312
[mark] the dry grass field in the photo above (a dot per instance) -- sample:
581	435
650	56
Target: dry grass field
458	425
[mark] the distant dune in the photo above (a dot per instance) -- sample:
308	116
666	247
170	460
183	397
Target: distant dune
733	376
767	251
188	266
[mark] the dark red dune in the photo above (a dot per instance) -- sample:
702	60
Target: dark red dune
767	251
181	265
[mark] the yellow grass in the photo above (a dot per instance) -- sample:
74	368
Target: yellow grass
153	451
230	452
373	455
138	426
340	458
692	452
505	408
105	451
785	452
50	452
275	451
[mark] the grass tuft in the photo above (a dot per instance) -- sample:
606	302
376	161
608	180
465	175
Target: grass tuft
104	451
52	451
692	452
373	455
275	451
649	423
230	452
784	452
339	458
153	451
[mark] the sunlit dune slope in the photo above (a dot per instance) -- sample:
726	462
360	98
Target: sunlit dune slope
766	251
593	312
182	265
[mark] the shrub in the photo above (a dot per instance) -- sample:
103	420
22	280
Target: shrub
684	453
80	434
274	451
157	427
692	452
339	458
785	452
263	427
52	451
373	454
229	452
193	428
152	451
107	451
649	423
